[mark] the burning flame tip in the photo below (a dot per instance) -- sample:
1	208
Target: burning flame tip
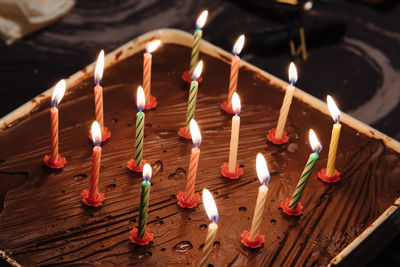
195	132
236	106
262	169
58	93
209	204
237	48
96	133
140	98
201	20
147	172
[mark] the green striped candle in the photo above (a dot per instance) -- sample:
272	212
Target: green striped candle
194	85
139	127
198	33
316	147
144	200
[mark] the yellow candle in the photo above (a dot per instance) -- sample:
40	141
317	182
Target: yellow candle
287	101
234	133
263	176
212	213
336	115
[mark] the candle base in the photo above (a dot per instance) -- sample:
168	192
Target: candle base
231	175
277	141
132	165
182	133
225	106
54	164
97	201
187	78
185	204
260	240
106	134
329	179
152	103
292	212
133	236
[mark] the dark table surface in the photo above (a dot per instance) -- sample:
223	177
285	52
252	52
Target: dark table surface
354	51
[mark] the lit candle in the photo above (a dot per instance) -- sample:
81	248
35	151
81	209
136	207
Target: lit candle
254	239
138	163
290	206
189	198
286	101
198	33
142	235
54	160
93	197
237	48
330	174
147	60
212	213
191	108
98	96
234	133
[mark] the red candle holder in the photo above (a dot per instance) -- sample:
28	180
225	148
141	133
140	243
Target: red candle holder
225	106
231	175
95	202
292	212
58	163
182	133
106	134
187	204
133	236
132	165
277	141
187	78
260	240
329	179
152	103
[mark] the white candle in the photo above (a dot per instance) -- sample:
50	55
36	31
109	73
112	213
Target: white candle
234	133
263	176
212	214
287	101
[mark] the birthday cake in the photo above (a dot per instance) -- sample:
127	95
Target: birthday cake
44	222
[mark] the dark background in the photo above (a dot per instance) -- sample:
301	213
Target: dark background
353	49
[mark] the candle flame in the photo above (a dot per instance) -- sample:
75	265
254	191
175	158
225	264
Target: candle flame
152	46
98	71
197	71
195	132
236	107
140	98
58	93
96	133
201	20
209	204
147	172
314	143
237	48
334	110
262	169
292	73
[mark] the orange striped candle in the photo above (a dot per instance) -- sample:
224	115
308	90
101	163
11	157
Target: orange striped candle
98	90
237	48
147	60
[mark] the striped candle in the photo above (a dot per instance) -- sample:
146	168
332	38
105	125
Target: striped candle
139	127
194	160
56	97
194	85
198	33
237	48
144	201
98	90
147	61
96	157
307	170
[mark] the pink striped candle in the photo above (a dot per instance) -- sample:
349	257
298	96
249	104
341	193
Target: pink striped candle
147	60
237	48
54	160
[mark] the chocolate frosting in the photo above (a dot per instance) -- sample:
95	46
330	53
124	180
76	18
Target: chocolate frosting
43	221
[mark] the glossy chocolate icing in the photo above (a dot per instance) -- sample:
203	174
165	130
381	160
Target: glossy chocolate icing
43	221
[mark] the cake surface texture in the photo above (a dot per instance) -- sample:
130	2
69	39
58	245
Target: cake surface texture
43	221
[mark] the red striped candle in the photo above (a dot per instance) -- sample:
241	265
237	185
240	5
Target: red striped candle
54	160
147	60
237	48
189	195
98	90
